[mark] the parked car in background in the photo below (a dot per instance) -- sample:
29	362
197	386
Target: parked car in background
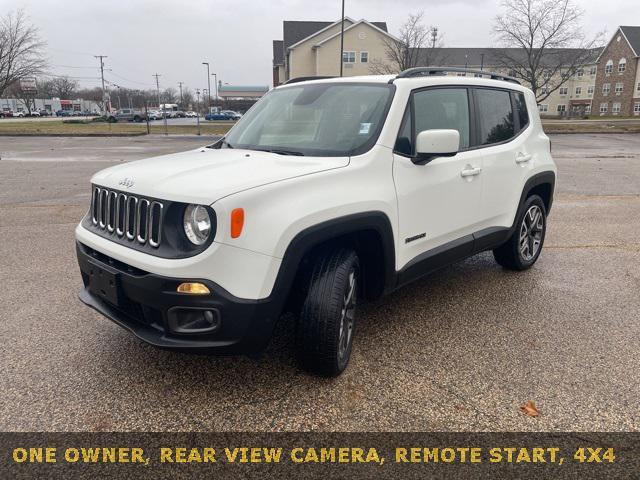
45	113
154	115
191	114
33	114
126	115
179	114
19	114
64	113
219	116
7	114
235	115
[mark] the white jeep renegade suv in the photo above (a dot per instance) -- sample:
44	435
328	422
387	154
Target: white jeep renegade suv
326	193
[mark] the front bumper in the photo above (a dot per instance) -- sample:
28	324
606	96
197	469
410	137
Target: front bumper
141	301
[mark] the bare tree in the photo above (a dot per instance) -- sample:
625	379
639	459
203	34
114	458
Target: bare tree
60	87
550	43
21	49
187	98
169	95
416	45
27	98
94	95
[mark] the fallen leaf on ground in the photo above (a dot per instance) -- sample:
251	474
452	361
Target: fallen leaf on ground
529	409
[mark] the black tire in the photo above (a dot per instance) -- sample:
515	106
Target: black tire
137	119
321	348
510	254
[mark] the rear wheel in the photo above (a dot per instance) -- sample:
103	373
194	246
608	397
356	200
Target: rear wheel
525	244
327	321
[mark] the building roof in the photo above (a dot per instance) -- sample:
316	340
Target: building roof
491	56
632	34
294	31
278	52
243	88
353	25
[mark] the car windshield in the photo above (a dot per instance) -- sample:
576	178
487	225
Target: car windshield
323	119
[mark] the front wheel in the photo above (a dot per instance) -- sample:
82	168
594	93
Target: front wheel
525	244
327	320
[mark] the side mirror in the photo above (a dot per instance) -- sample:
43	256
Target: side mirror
431	144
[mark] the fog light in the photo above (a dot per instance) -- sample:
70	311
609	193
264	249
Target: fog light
193	320
193	288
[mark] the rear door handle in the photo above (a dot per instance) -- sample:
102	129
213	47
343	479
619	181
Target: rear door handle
523	158
470	172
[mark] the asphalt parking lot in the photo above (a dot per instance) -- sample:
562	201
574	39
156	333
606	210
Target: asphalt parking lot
459	350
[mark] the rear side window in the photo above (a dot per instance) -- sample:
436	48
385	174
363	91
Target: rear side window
495	116
521	110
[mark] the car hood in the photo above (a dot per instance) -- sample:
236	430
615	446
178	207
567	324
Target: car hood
206	175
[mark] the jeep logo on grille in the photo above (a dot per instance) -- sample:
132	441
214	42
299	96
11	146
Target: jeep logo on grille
126	182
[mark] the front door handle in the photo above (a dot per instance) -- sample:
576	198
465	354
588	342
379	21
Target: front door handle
523	158
470	172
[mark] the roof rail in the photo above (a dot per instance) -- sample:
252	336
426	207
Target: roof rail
304	79
428	71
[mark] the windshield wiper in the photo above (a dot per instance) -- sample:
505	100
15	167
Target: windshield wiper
280	151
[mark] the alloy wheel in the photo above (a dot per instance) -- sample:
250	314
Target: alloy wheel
347	316
531	231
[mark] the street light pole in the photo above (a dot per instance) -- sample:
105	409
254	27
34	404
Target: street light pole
342	39
215	87
198	109
208	84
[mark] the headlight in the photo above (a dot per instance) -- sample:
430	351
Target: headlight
197	224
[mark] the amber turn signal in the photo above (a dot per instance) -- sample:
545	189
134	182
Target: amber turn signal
237	222
193	288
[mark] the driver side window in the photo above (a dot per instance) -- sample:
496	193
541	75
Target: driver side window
435	108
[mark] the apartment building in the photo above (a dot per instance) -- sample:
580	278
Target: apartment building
313	48
608	83
617	87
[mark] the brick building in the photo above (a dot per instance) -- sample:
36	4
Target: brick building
617	88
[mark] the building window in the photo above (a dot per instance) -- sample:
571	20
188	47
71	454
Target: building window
579	73
590	90
604	107
587	109
615	108
622	65
619	88
638	87
608	68
543	107
561	108
364	57
564	90
636	107
545	90
606	88
349	57
578	90
593	71
461	74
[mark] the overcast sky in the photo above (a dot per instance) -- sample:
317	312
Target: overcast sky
172	38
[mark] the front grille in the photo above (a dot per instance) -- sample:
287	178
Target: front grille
127	216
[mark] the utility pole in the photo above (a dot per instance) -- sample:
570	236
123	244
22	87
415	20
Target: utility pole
215	87
208	85
198	109
342	39
181	101
164	113
104	98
